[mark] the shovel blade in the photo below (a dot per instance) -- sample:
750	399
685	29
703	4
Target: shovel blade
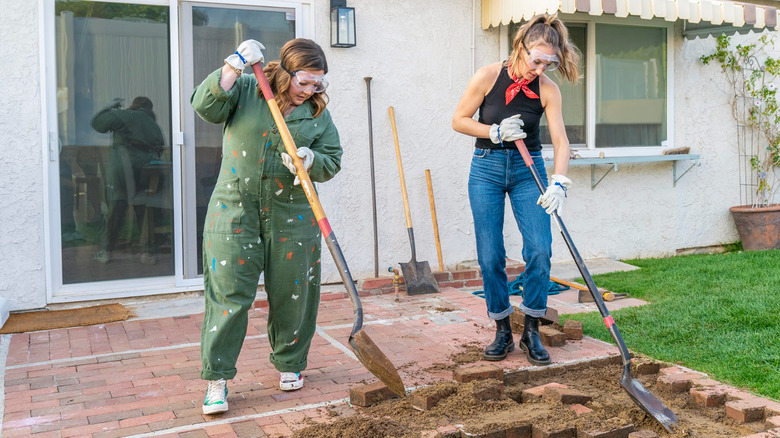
376	362
418	278
649	402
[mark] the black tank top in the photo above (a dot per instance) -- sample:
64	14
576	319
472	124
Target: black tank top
494	109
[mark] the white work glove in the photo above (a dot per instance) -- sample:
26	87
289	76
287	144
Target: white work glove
552	199
307	156
250	50
510	129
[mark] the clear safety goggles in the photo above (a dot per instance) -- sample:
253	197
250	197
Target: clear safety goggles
537	59
305	81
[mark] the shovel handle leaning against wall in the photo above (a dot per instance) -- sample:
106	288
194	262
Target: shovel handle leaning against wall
651	404
434	219
364	348
418	277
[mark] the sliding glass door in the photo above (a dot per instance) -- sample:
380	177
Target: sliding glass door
210	33
114	129
131	166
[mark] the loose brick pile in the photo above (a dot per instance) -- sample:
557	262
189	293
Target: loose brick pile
741	407
706	393
551	332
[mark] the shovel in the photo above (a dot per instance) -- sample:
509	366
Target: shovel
417	275
364	348
641	396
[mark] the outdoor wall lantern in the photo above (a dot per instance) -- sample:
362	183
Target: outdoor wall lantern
342	24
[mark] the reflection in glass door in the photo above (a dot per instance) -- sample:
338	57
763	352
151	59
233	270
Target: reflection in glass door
114	127
215	32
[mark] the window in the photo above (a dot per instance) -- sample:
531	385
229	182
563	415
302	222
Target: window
630	86
624	103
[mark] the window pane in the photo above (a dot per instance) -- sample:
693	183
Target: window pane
573	96
113	102
216	32
630	86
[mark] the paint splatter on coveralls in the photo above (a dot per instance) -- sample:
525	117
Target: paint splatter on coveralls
258	221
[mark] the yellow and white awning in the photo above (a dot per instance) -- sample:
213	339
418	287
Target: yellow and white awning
496	12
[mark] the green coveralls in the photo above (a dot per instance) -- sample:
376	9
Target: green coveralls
258	221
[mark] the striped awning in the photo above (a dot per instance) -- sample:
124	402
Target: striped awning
496	12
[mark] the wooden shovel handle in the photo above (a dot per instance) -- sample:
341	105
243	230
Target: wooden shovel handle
400	168
433	218
289	145
314	200
569	283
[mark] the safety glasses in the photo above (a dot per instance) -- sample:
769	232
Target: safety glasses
538	59
305	81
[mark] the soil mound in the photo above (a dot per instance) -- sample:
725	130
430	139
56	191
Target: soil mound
520	405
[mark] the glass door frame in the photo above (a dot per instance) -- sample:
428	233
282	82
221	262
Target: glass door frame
184	243
190	261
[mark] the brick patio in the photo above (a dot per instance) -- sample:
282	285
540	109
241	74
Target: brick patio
141	377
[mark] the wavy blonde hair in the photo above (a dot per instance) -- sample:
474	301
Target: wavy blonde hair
550	30
297	54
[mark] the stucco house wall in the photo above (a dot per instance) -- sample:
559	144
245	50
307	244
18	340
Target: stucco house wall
23	278
420	59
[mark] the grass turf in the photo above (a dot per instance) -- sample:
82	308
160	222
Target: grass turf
715	313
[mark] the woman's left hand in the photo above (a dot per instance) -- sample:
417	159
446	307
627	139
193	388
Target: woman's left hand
552	199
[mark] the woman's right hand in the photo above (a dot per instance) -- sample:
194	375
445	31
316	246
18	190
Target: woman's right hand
249	52
510	129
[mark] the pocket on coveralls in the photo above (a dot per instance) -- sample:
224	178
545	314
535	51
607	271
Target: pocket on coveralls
226	208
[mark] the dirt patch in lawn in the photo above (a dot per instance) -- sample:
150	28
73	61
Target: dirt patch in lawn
476	410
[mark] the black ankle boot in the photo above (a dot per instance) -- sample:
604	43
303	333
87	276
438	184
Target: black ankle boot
531	344
503	343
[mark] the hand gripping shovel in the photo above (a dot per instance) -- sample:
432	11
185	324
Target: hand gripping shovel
641	396
418	277
364	348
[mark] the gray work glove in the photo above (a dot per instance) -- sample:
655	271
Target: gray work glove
510	129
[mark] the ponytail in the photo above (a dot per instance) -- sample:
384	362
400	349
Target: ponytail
550	30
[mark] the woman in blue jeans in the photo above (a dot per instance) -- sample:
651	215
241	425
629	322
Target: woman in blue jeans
511	97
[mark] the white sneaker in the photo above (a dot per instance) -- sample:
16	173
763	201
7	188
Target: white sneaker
215	401
290	381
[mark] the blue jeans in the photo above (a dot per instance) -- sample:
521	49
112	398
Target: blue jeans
494	175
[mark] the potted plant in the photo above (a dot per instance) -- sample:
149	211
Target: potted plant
751	74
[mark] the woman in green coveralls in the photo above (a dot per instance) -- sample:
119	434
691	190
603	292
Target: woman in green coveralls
258	218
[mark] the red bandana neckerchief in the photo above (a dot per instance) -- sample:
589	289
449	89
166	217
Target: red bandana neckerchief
518	85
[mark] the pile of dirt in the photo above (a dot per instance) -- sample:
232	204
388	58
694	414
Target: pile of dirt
464	407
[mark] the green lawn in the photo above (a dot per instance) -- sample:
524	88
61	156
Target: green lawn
716	313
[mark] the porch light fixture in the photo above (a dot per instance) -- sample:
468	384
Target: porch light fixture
342	24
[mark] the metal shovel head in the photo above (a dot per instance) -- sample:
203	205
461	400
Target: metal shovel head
649	402
418	278
376	362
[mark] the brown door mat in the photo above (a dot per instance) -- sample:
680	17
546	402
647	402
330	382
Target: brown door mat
53	319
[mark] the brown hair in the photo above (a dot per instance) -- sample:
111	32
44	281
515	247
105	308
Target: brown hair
297	54
143	103
550	30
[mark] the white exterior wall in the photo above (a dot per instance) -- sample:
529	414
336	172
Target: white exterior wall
420	58
23	279
422	66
